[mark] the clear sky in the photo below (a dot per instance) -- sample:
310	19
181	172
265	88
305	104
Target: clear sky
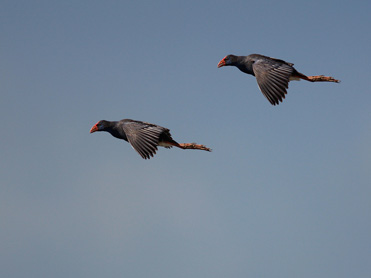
286	191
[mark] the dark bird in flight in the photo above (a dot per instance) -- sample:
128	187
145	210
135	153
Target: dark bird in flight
143	137
273	75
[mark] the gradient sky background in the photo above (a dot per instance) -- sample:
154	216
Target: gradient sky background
286	191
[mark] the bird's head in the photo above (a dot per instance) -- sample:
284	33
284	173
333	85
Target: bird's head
99	126
227	61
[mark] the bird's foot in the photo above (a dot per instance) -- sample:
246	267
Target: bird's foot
194	146
318	78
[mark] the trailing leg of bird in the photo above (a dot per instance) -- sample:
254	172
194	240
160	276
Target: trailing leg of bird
194	146
318	78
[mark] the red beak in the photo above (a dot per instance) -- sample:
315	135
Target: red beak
221	63
94	128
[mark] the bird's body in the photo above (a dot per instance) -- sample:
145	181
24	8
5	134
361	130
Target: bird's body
144	137
273	75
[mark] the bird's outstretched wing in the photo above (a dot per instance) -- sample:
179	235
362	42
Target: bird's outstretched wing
273	79
144	137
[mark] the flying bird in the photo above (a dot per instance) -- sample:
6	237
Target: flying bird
143	137
273	75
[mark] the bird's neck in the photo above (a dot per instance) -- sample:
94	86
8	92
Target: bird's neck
112	128
115	133
245	69
243	65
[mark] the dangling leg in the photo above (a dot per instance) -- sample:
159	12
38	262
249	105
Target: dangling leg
193	146
184	146
314	78
318	78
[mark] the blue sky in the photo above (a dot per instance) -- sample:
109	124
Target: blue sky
285	192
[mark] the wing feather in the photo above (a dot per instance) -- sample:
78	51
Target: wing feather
273	78
143	137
